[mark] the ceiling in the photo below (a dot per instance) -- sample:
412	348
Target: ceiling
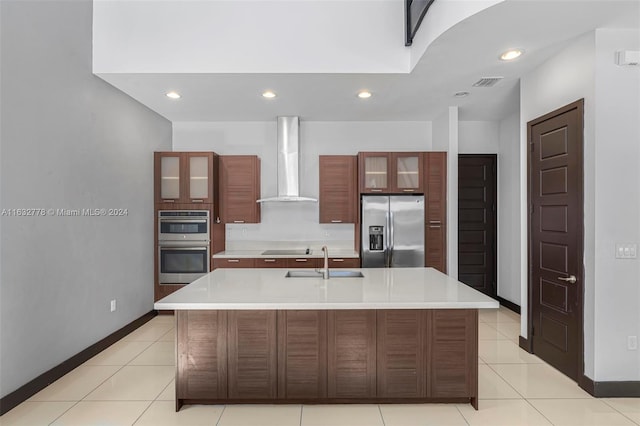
452	63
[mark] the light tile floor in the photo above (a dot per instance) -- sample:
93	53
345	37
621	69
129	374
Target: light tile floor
132	383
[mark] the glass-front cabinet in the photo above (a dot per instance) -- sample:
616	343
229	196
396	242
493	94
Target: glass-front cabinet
390	172
408	171
170	182
199	182
185	177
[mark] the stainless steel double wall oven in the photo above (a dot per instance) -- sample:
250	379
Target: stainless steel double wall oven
183	245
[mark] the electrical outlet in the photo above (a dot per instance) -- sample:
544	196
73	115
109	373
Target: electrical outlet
113	305
632	343
626	251
326	234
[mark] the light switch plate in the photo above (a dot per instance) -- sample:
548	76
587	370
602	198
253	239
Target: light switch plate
626	251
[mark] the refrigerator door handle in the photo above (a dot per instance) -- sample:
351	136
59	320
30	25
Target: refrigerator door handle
391	237
387	244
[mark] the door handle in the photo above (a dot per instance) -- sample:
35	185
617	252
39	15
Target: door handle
571	279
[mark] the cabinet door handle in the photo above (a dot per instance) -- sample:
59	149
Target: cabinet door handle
435	226
269	260
375	190
337	260
233	260
408	190
197	201
168	201
336	221
435	222
238	221
301	260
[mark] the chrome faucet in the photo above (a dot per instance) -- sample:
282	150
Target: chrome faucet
325	268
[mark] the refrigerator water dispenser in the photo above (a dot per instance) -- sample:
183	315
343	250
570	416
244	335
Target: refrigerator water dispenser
376	243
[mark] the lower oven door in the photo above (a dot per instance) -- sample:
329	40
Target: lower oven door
182	263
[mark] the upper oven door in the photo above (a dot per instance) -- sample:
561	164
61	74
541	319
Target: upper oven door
183	228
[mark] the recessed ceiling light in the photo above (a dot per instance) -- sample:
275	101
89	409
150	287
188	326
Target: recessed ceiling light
173	95
511	54
364	94
268	94
461	94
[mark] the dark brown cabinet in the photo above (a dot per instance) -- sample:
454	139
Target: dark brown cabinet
453	353
277	262
324	356
252	355
391	172
338	189
240	262
304	262
202	355
185	178
435	185
302	354
284	262
239	189
351	354
344	262
402	340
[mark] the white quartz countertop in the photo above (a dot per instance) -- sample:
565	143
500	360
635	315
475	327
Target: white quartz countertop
340	253
381	288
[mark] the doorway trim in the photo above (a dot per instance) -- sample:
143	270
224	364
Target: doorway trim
583	381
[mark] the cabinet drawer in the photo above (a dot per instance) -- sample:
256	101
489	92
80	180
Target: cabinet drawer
344	262
233	263
304	262
264	262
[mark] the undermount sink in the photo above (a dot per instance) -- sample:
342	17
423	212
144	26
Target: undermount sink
317	274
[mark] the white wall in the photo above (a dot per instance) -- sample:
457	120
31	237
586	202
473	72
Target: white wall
478	137
442	15
586	70
509	208
298	221
257	36
69	140
617	208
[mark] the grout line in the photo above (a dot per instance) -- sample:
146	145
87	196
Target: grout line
546	418
142	414
301	407
63	413
505	380
462	415
617	410
224	407
381	416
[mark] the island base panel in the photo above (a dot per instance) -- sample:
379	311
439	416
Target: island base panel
328	356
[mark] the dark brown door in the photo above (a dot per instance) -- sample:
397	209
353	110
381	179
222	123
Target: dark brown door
555	238
477	221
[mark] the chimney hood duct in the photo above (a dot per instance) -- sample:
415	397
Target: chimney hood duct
288	157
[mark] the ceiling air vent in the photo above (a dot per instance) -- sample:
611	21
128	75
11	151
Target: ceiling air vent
487	81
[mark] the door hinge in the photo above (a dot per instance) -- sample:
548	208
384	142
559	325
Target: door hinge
531	209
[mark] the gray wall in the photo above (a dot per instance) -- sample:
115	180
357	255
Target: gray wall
69	140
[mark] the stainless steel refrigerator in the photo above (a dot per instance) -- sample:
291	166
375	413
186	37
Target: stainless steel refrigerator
392	231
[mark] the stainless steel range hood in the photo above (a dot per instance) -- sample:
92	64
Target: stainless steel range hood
288	158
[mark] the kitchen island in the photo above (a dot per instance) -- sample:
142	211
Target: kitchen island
394	335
